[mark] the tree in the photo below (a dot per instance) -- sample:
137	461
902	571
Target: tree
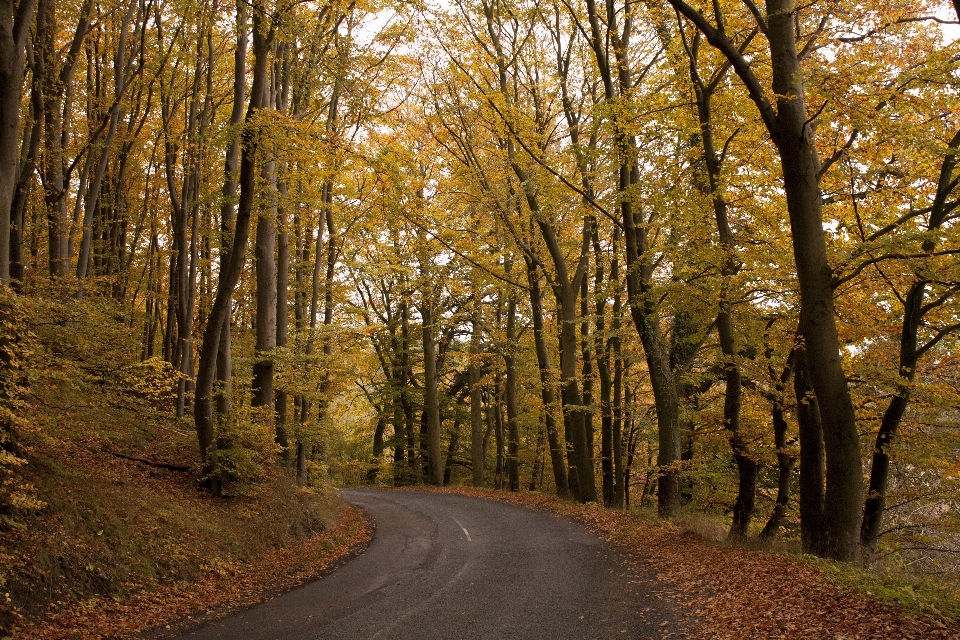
15	18
792	131
263	34
55	72
710	185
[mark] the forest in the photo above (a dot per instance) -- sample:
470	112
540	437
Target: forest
694	255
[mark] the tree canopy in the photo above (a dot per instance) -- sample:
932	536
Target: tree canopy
702	254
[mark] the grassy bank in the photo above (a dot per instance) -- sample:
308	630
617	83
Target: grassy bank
123	546
104	528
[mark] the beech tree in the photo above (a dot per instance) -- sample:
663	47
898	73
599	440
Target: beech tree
457	206
785	117
15	18
263	33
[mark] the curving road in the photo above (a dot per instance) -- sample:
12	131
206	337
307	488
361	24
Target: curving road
447	566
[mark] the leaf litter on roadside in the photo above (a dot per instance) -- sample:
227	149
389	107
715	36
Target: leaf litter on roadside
221	590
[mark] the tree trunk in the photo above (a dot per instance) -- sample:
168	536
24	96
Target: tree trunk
784	470
301	464
283	263
586	364
574	411
603	347
266	272
510	396
812	474
686	335
56	72
219	313
843	498
629	396
431	398
477	462
880	466
451	450
228	209
15	19
536	473
746	465
619	499
495	410
283	270
25	181
546	382
647	321
618	391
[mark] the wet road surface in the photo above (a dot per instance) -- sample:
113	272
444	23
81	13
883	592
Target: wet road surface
448	566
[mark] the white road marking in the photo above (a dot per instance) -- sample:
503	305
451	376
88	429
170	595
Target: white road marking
465	532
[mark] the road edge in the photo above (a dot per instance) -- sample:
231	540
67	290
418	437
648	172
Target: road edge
353	520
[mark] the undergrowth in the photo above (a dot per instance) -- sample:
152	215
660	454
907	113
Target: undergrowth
889	580
937	596
113	505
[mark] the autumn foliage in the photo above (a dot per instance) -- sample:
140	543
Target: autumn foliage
695	255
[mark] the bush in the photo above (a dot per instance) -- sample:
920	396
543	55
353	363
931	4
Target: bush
245	444
17	497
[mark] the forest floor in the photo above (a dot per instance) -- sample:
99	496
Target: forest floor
122	546
120	536
734	592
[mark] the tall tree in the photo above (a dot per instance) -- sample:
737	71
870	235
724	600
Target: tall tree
263	35
56	70
708	181
618	76
228	208
15	19
477	462
792	131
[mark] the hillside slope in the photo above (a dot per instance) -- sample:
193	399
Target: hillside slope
105	528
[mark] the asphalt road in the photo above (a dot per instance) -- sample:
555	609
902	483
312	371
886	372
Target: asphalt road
447	566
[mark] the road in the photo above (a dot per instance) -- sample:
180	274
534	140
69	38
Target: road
448	566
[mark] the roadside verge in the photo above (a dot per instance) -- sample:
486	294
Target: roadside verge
218	592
